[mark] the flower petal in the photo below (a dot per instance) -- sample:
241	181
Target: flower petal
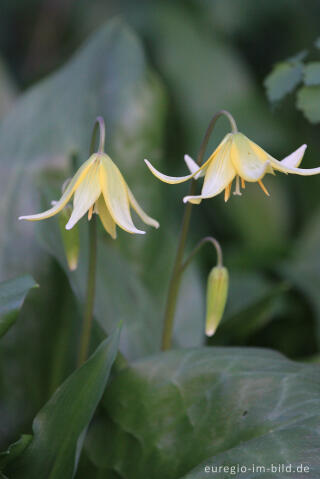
137	208
277	165
105	217
172	180
115	194
85	195
290	163
72	186
295	158
219	175
196	171
193	167
250	161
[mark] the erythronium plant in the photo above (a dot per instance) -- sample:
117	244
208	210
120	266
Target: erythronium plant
98	188
237	158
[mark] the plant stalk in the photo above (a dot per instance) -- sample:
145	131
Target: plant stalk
91	278
90	295
176	275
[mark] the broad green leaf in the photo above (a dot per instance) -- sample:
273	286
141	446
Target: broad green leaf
60	426
308	101
168	414
283	79
12	296
14	450
109	76
311	74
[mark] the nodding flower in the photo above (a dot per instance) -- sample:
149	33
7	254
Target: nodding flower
99	187
236	158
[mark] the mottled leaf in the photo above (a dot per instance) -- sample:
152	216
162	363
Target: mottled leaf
171	413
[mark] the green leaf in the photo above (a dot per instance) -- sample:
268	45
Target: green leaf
12	296
311	74
168	414
109	76
60	426
308	101
14	450
283	79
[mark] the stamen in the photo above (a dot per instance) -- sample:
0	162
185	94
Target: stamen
243	184
237	190
264	189
90	212
227	192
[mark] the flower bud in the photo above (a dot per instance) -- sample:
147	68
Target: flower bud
217	292
70	239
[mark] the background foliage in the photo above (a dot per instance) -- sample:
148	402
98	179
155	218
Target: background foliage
157	71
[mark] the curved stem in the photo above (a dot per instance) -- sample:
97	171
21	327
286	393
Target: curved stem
99	123
176	272
207	239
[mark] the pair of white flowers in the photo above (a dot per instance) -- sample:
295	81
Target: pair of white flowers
99	187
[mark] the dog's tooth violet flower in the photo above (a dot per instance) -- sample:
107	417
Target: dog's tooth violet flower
99	187
237	158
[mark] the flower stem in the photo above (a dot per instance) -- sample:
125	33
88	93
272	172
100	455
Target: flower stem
90	296
207	239
91	278
177	271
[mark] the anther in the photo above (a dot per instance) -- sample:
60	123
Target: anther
227	192
90	213
264	189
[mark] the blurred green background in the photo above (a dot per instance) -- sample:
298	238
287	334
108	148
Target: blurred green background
205	55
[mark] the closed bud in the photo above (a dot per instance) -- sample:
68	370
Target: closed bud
70	239
217	292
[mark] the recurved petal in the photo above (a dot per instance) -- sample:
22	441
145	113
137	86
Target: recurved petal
137	208
291	162
278	165
115	194
295	158
172	180
250	161
72	186
106	218
85	195
218	176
